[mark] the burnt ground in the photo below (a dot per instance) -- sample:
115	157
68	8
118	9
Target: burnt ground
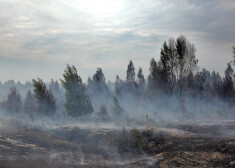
172	145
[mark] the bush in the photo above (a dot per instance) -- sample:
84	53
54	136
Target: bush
136	141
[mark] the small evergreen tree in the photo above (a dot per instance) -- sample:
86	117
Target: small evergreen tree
77	101
45	99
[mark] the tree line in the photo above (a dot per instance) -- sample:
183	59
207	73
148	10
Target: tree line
176	74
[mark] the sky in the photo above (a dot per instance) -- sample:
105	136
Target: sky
39	37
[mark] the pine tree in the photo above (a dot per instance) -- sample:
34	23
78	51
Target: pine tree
99	75
140	76
98	84
130	73
45	99
228	83
77	101
141	82
234	56
156	78
98	89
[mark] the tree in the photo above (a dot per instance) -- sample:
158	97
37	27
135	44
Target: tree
177	60
98	90
200	79
234	55
141	82
29	104
45	99
168	59
216	84
13	102
152	78
190	84
117	110
156	82
119	88
140	76
130	73
99	75
77	101
228	83
98	83
186	60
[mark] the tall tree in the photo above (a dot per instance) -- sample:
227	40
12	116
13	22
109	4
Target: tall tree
45	99
99	75
153	77
130	73
228	82
77	101
157	79
98	89
168	59
178	60
186	60
141	82
119	87
234	55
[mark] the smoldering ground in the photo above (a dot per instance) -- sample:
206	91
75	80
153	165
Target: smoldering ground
92	142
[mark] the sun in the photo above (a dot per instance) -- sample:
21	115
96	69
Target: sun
98	8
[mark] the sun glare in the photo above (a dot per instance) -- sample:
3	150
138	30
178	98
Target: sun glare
98	8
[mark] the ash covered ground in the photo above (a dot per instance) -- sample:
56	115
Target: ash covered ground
175	144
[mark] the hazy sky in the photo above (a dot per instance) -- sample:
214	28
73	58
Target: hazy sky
38	37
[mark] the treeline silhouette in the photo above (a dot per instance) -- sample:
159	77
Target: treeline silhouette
174	79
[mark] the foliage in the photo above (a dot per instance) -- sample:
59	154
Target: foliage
130	73
141	83
177	61
138	141
228	83
98	89
45	99
234	56
77	101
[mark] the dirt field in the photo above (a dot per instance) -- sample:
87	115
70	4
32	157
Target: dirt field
171	145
